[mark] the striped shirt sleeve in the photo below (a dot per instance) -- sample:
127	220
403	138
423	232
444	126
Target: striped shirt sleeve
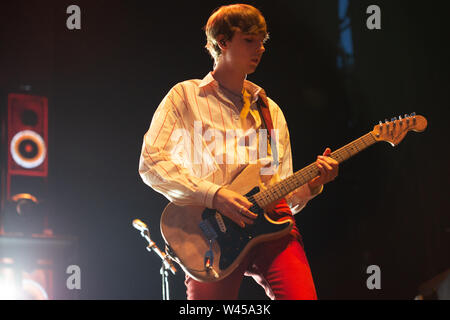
159	166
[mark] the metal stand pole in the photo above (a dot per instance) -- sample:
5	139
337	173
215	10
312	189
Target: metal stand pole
166	262
165	283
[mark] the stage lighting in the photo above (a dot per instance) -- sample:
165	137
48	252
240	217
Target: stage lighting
8	292
24	214
28	290
26	203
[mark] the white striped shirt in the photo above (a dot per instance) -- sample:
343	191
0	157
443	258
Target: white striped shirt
186	117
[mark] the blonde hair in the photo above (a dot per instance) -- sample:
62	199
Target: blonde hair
226	20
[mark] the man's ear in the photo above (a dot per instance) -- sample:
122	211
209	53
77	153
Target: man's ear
221	42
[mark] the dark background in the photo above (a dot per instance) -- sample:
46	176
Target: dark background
388	207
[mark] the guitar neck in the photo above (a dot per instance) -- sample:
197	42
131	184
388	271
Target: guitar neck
299	178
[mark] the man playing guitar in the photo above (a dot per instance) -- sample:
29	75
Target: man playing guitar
200	113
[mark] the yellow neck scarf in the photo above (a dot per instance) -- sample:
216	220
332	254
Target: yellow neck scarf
246	109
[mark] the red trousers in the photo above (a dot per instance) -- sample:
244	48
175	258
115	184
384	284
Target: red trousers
279	266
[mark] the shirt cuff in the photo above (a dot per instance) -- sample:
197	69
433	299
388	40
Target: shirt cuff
304	192
206	192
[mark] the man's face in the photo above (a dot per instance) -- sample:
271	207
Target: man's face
244	51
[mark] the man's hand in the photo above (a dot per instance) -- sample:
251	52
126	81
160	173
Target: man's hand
329	169
234	206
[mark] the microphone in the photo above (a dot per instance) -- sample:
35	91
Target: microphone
141	226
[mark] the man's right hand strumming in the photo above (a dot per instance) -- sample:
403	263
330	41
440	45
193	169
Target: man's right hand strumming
234	206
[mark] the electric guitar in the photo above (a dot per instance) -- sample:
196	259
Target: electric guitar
209	246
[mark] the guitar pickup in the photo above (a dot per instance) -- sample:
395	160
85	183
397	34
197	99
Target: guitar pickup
220	222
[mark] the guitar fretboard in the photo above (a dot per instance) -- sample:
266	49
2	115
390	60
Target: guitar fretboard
299	178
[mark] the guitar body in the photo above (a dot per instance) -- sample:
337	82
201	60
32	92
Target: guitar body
196	234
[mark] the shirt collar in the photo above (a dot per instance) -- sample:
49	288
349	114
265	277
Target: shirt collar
252	88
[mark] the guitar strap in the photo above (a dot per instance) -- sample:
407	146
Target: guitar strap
268	125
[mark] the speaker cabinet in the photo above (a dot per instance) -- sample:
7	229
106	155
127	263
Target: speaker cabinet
27	135
25	170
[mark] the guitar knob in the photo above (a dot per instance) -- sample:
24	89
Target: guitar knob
413	114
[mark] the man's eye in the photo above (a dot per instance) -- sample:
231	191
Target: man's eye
249	40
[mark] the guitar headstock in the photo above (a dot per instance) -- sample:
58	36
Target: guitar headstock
395	130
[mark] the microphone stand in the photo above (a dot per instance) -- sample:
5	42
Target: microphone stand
166	262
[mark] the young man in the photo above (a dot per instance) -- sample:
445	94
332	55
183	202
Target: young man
222	102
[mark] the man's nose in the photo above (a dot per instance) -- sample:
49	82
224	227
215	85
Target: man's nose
261	48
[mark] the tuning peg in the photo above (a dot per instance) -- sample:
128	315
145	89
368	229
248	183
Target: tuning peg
407	118
393	121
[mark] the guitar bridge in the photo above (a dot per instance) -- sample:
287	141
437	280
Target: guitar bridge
208	230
